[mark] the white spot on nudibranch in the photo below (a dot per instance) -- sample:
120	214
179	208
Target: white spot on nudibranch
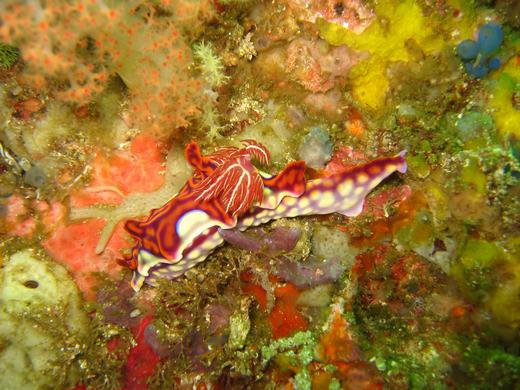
362	178
290	201
359	190
304	203
345	188
315	195
327	200
390	168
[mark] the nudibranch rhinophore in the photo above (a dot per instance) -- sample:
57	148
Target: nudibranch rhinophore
227	192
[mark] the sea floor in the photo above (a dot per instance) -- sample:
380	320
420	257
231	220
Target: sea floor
98	100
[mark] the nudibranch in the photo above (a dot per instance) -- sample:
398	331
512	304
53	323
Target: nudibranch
226	191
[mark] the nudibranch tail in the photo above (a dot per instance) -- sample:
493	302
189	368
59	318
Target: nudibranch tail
402	166
342	193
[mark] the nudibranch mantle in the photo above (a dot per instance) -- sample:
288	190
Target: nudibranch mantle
227	192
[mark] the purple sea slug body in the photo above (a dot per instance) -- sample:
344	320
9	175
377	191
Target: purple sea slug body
285	195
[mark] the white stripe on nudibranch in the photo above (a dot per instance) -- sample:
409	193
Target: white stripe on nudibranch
259	153
239	188
190	221
194	223
194	254
173	268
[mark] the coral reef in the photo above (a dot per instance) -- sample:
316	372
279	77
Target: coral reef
420	290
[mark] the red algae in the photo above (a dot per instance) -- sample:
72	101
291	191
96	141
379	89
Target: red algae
142	360
407	207
337	344
257	292
285	319
338	347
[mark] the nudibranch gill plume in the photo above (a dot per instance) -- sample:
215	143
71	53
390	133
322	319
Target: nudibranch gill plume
226	191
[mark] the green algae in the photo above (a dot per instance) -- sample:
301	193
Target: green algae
474	271
304	340
302	380
474	124
8	55
419	166
239	325
488	368
300	351
479	253
412	372
473	176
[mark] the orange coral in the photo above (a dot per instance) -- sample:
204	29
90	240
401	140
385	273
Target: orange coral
337	344
74	246
139	169
338	347
113	177
72	48
23	217
18	221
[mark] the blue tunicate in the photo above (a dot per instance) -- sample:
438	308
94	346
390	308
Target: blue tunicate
490	38
477	55
467	49
478	71
494	63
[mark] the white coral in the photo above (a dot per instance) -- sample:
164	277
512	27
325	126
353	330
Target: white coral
210	64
